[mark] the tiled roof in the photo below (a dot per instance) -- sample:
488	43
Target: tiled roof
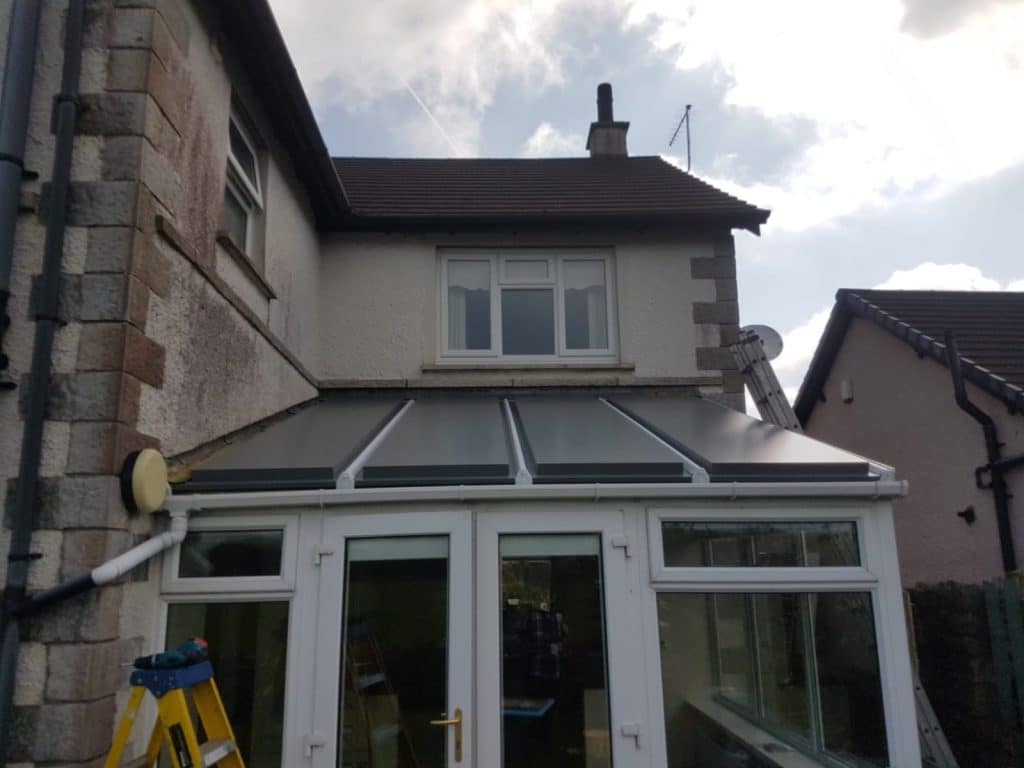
640	189
988	328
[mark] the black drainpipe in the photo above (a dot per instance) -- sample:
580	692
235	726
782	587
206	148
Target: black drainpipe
19	64
994	451
47	321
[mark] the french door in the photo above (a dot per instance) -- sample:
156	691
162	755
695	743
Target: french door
393	680
479	638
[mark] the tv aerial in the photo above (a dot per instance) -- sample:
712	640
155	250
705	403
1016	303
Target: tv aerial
685	120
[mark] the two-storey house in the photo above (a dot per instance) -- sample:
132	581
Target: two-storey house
460	474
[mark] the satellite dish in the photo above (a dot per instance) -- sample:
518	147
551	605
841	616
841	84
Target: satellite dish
769	338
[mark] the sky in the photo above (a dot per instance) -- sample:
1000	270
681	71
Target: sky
884	135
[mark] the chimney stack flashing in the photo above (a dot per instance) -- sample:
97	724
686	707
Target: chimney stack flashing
607	137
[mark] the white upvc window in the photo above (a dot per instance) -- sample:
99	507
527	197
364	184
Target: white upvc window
527	305
781	626
243	195
232	581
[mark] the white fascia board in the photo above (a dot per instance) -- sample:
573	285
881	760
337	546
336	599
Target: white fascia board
878	489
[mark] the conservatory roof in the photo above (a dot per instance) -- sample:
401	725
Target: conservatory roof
451	438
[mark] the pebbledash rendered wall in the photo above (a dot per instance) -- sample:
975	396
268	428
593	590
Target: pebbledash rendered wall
903	413
676	309
159	347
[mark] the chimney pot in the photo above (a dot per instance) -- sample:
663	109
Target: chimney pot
607	137
604	103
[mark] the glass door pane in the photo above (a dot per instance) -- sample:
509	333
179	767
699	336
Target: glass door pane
554	688
394	672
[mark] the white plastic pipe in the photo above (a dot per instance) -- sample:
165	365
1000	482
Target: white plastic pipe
120	565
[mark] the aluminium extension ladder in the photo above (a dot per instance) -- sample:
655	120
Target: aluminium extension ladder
174	725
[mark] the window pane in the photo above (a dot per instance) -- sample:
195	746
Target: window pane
526	269
553	676
236	219
586	305
469	305
851	691
741	683
248	651
740	544
217	554
735	670
395	653
782	664
528	321
242	154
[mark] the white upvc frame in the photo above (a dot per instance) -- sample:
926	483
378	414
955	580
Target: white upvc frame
252	187
855	577
248	193
878	576
556	258
284	582
326	656
622	578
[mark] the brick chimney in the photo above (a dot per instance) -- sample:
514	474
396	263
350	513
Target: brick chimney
607	138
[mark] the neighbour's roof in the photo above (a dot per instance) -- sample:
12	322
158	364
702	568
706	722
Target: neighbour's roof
643	190
987	326
476	439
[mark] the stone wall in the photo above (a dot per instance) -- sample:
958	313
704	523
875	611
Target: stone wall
157	348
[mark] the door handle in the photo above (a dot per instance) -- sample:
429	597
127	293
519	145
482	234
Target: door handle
456	721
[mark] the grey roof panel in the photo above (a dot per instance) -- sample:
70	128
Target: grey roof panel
580	439
306	450
734	447
451	441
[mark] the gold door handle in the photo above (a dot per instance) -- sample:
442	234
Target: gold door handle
457	722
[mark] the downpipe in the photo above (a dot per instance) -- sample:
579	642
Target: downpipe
994	452
15	103
46	315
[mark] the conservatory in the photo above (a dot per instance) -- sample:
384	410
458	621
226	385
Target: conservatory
534	579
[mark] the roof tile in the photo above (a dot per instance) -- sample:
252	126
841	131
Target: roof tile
549	189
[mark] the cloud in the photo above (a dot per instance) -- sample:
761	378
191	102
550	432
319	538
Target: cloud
454	54
798	346
941	277
548	141
894	115
931	18
799	343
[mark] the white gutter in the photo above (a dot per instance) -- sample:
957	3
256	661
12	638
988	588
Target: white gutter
877	489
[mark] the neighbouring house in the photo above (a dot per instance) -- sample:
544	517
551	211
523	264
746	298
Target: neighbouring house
880	384
459	470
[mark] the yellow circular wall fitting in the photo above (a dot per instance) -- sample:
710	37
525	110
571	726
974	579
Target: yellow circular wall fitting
144	481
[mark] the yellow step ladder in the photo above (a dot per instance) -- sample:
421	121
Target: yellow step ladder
172	689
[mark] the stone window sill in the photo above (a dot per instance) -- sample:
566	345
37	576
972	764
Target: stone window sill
245	263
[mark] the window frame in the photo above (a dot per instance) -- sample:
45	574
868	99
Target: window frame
247	193
173	584
556	259
877	576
